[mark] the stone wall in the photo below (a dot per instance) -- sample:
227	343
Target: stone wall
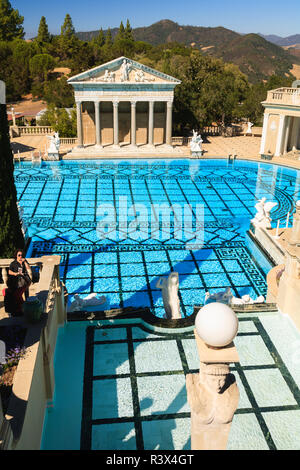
33	382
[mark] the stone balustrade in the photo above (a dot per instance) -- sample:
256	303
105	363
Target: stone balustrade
68	140
289	96
21	427
35	130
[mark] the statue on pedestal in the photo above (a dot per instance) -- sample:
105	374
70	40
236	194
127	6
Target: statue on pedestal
262	217
212	393
249	130
169	287
53	149
196	145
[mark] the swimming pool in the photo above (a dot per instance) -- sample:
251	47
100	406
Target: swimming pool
125	383
62	204
123	387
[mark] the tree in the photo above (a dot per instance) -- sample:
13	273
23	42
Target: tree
59	93
11	236
68	42
40	65
108	38
107	49
43	35
10	22
128	32
60	120
22	52
121	32
100	39
124	43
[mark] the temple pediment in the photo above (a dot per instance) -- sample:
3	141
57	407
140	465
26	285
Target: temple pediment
125	71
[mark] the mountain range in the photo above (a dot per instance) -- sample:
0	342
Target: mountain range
256	55
288	41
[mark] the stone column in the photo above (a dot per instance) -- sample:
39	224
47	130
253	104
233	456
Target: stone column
151	122
295	231
264	133
133	123
169	123
295	133
116	123
97	123
286	134
79	125
280	135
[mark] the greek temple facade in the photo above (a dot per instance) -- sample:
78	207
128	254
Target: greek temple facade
123	106
281	125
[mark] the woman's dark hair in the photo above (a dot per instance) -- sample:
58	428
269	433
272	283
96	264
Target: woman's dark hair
18	251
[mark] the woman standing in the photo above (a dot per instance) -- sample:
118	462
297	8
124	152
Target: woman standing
18	272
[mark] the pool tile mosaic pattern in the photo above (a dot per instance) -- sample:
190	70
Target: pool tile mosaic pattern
133	394
61	210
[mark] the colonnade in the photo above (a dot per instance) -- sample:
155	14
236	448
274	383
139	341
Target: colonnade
168	124
287	134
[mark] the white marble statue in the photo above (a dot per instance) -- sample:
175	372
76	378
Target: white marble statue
196	144
90	300
169	287
262	217
247	300
139	76
109	76
226	297
249	130
21	217
53	149
56	141
125	68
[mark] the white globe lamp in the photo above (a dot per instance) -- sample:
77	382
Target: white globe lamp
216	324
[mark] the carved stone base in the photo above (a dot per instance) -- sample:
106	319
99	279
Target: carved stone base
213	396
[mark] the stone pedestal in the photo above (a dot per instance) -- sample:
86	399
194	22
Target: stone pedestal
213	396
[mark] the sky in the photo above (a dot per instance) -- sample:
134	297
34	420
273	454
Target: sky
242	16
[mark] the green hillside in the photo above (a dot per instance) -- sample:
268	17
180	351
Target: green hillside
253	54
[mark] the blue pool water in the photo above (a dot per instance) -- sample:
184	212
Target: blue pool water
124	259
122	387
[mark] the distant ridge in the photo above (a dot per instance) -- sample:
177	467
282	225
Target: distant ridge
288	41
256	56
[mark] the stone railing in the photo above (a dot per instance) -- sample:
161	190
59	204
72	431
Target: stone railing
178	141
68	140
33	383
290	96
35	130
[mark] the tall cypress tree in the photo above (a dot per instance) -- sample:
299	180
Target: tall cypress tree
11	236
121	32
108	38
128	31
43	35
67	29
100	39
